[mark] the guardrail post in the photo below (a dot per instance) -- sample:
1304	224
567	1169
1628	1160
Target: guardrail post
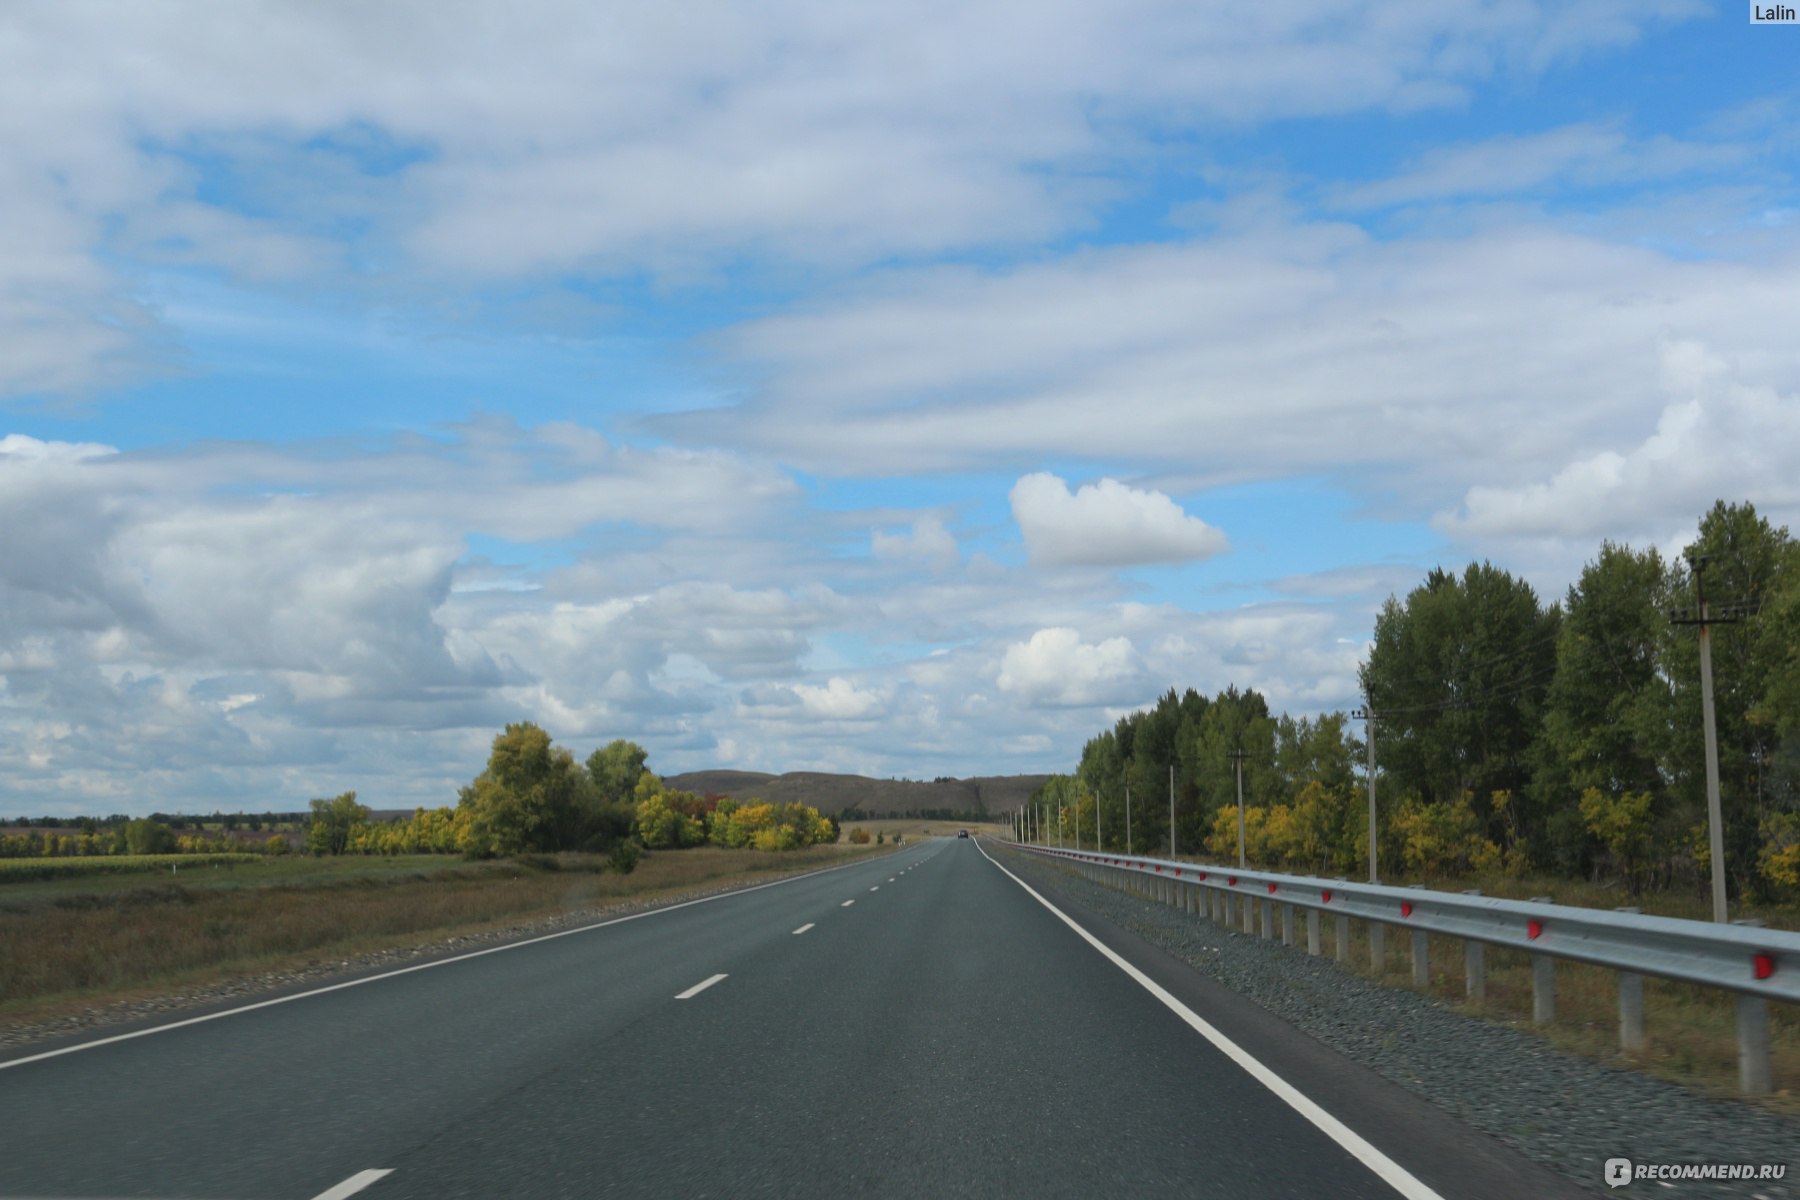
1543	980
1543	989
1287	924
1249	914
1268	917
1631	1006
1343	938
1755	1071
1377	946
1631	1012
1421	958
1312	931
1475	964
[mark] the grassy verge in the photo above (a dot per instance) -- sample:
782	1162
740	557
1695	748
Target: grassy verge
64	946
1690	1030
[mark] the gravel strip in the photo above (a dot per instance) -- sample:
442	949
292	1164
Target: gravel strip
1569	1113
103	1017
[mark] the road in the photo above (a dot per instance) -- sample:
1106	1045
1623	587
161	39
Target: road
919	1024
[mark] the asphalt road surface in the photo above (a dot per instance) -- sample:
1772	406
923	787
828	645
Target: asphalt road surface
915	1025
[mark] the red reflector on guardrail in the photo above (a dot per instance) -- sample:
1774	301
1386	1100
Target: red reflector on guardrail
1232	882
1406	908
1325	896
1271	889
1533	928
1762	965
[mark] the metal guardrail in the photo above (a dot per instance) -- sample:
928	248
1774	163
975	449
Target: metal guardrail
1757	964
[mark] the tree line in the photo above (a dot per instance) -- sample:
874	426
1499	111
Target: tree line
534	798
1510	735
531	798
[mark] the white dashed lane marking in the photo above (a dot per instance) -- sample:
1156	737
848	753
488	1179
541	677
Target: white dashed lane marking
803	929
353	1185
699	987
847	904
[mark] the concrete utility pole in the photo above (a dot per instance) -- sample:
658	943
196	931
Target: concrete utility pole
1059	823
1715	817
1171	810
1099	829
1367	716
1128	818
1237	759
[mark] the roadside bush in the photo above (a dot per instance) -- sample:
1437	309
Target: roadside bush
859	836
624	856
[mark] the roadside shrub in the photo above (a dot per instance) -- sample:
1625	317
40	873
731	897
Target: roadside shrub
859	836
624	856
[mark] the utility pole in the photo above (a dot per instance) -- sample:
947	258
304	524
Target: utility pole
1715	817
1367	716
1128	818
1099	829
1237	760
1059	823
1171	810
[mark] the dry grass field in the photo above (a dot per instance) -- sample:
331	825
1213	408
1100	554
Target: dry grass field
68	943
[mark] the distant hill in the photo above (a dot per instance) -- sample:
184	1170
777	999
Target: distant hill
832	794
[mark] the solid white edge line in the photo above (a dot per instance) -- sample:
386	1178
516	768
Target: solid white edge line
437	962
803	929
354	1184
699	987
1353	1143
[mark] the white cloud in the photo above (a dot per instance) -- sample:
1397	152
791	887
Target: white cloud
1056	668
926	542
1584	155
838	700
1716	436
1420	365
1106	524
19	446
569	140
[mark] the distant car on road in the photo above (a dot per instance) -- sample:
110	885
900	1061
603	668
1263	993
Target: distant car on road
962	833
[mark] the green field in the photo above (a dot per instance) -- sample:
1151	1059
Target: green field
22	870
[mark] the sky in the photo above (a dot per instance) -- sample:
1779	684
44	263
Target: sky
907	390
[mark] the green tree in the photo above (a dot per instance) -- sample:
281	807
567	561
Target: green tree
144	836
615	769
1606	712
333	823
1457	675
660	824
1746	561
531	798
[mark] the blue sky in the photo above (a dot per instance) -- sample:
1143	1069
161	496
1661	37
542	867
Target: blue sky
908	392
